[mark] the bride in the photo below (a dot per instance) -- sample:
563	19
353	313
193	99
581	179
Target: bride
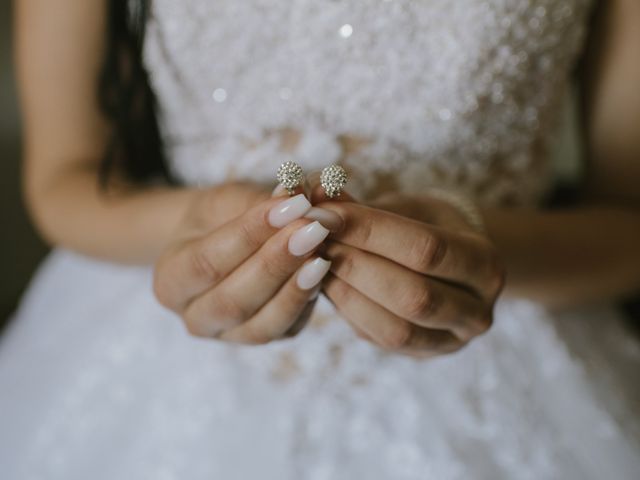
442	318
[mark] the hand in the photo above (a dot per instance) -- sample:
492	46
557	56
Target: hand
407	285
248	278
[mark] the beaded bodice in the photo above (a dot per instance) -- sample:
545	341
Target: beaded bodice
406	94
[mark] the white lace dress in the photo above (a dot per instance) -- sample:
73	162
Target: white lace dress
98	381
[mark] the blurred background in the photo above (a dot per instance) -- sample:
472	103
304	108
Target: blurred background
20	248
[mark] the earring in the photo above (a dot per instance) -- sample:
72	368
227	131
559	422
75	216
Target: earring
333	179
290	176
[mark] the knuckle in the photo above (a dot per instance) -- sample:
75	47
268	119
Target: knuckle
253	337
161	287
497	273
398	337
420	302
225	308
193	328
247	232
346	266
466	332
429	251
482	324
338	291
365	229
202	266
273	266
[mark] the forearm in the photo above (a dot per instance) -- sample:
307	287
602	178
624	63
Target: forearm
568	257
130	225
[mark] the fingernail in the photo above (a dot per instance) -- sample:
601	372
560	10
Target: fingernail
279	190
327	218
312	273
307	238
289	210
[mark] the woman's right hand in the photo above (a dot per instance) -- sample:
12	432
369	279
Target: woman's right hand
250	279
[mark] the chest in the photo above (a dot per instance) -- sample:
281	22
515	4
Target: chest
459	87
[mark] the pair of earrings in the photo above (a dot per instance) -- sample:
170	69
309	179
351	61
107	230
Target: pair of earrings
333	178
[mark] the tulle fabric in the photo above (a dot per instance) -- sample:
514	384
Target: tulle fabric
98	381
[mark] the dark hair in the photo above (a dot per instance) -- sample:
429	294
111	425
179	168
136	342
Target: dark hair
127	100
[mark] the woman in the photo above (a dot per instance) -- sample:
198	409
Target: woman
100	381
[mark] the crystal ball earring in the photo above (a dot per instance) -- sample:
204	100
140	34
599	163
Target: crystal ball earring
290	176
333	179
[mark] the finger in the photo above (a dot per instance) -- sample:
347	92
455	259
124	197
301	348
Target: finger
466	259
387	330
302	321
417	298
287	312
361	333
239	296
329	219
201	263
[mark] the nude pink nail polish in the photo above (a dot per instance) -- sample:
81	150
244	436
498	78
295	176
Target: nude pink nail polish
289	210
312	273
305	239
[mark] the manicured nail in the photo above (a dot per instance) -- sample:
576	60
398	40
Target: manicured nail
329	219
278	191
312	273
289	210
305	239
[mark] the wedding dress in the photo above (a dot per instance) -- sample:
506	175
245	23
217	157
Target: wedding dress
100	382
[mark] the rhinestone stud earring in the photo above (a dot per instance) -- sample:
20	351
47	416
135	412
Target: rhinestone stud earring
333	179
290	176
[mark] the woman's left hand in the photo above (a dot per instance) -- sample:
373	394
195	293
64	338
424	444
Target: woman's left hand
421	286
